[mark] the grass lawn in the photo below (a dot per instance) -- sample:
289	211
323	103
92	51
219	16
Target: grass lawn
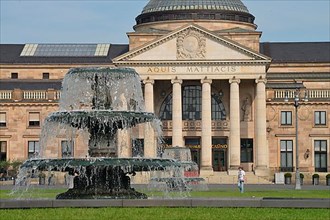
287	193
173	213
165	213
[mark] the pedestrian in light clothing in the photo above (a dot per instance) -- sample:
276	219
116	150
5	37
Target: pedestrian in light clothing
240	179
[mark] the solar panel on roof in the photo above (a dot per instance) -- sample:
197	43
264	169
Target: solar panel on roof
65	50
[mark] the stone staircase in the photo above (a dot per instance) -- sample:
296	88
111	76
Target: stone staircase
224	178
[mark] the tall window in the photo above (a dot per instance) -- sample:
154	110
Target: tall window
34	119
3	150
166	108
218	109
320	155
3	121
138	148
33	150
286	118
192	105
287	155
246	150
67	149
320	118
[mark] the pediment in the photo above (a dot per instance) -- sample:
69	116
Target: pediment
191	43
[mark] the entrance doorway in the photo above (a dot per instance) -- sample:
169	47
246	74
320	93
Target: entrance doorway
219	154
195	148
219	159
195	156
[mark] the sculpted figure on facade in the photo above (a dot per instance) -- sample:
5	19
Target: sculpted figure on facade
246	109
191	44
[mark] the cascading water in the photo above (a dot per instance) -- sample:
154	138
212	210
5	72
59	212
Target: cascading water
97	106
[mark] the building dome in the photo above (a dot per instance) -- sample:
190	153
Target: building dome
165	10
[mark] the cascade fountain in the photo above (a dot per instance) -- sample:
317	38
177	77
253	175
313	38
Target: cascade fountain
99	104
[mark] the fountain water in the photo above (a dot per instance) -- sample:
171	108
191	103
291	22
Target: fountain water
98	104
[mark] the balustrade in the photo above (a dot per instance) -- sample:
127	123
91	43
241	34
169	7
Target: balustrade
5	94
35	95
311	94
29	95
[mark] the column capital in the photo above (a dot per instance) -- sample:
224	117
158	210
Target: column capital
234	80
176	80
206	80
261	80
146	81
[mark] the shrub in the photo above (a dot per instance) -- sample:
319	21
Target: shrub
15	167
315	175
288	175
4	165
328	175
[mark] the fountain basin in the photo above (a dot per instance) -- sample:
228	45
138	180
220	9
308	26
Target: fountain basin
101	119
101	178
128	164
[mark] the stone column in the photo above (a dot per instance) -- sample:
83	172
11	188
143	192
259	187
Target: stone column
261	145
235	134
150	148
177	139
206	151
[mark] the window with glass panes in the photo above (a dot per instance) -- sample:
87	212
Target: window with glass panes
34	119
218	109
320	118
286	118
166	108
191	103
286	155
3	120
320	155
67	148
3	150
33	149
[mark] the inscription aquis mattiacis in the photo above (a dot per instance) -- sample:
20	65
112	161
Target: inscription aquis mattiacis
193	69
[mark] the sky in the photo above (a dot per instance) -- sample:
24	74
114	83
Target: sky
108	21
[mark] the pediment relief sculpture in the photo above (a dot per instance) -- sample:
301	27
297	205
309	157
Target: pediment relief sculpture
191	44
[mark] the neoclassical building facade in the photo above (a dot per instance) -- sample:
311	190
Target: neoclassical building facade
217	89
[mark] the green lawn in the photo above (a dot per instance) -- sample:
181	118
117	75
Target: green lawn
165	213
51	193
173	213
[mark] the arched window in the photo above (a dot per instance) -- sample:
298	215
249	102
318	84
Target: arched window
218	109
192	105
166	108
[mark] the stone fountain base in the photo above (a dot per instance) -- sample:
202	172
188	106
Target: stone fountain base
101	178
104	182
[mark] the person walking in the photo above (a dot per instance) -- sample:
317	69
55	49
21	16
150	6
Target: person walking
240	179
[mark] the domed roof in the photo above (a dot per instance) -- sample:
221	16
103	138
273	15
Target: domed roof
166	5
167	10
